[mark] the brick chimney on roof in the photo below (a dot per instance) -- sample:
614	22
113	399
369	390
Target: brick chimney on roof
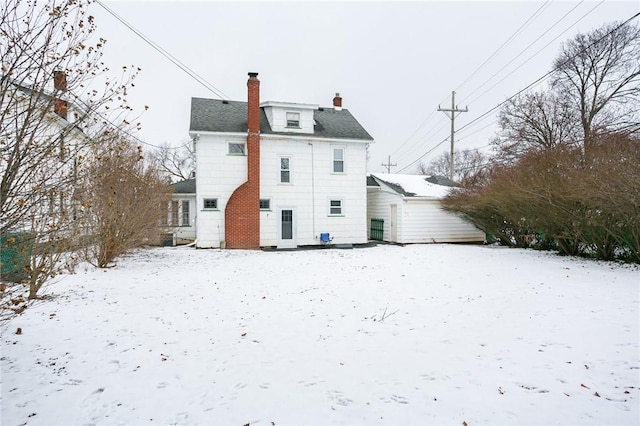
253	103
337	102
242	213
60	106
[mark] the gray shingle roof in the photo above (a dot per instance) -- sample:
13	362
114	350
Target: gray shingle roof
215	115
184	187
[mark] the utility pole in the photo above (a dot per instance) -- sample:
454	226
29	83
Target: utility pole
389	165
451	113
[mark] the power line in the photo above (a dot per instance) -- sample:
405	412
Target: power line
453	110
531	57
507	41
549	72
423	155
167	55
518	31
416	131
389	164
485	114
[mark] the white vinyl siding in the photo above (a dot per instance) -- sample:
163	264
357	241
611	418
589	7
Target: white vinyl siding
419	220
312	205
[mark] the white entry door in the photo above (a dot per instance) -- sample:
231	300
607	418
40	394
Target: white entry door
286	228
393	223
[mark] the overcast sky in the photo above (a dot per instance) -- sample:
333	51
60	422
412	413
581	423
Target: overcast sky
392	62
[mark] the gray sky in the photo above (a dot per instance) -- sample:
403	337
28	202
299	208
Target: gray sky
392	62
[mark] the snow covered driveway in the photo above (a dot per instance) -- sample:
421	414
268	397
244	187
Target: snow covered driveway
423	334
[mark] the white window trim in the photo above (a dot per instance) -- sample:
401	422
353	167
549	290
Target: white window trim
333	159
217	208
341	200
280	182
286	119
268	209
244	148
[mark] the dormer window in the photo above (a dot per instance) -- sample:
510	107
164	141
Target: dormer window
293	119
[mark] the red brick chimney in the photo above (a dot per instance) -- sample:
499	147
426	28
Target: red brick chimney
242	214
60	85
337	102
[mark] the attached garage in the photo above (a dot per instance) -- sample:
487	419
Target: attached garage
410	209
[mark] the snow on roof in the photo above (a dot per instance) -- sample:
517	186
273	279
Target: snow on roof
413	185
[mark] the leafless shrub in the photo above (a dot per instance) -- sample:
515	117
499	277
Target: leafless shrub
49	99
123	198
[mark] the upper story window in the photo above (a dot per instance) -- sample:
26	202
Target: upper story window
338	160
293	119
285	169
237	148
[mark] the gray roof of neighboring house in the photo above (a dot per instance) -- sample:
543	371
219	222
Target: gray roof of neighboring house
442	180
215	115
184	187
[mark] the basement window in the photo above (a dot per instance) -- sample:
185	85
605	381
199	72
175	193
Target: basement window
293	119
211	204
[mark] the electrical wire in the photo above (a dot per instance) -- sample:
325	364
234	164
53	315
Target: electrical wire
508	40
549	72
531	57
485	114
522	27
167	55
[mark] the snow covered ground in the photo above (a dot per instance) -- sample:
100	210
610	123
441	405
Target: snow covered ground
423	334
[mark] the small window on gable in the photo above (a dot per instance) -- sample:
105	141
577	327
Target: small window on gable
293	119
285	169
338	160
265	204
211	203
236	148
335	208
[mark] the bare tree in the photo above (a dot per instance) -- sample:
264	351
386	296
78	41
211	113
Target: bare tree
126	198
537	120
467	163
50	106
176	163
599	74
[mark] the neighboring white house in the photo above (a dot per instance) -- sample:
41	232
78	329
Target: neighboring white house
278	174
410	207
43	144
181	215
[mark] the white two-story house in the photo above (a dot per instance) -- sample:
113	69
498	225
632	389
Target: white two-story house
278	174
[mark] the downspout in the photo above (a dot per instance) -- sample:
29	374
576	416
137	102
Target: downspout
313	195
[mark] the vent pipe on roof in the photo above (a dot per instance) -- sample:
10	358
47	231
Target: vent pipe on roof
337	102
